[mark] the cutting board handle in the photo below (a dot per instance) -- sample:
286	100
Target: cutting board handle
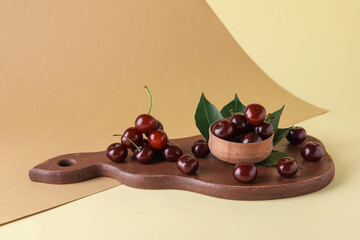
70	168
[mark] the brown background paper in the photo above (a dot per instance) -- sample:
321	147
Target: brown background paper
72	74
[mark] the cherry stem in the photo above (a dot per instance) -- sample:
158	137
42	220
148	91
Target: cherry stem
147	90
119	135
231	111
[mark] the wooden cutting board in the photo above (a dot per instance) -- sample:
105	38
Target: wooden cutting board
213	178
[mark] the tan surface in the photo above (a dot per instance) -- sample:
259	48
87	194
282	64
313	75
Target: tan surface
71	74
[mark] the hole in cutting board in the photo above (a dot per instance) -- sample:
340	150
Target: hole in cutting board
66	162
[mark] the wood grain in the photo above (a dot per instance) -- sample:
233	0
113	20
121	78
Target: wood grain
234	152
214	177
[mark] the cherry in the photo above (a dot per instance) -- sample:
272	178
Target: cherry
200	148
145	123
158	139
187	164
250	138
241	125
255	114
287	167
296	135
264	130
132	134
172	152
312	151
224	129
144	154
159	125
116	152
245	172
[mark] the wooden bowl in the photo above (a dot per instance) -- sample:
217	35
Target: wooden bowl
234	152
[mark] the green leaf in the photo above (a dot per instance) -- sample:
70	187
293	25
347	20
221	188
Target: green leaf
274	118
205	115
280	134
273	158
235	105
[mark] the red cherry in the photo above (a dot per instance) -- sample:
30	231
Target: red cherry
187	164
241	125
158	139
116	152
255	114
296	135
172	152
312	151
145	155
250	138
145	123
132	134
159	125
245	172
287	167
224	129
200	148
264	130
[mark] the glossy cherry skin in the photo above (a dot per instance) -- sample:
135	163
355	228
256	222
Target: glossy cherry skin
200	148
255	114
158	139
241	125
145	123
159	125
134	135
287	167
172	152
250	138
224	129
145	155
245	172
187	164
296	135
312	151
264	130
116	152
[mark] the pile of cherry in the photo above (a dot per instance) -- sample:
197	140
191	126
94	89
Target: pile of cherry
147	138
249	127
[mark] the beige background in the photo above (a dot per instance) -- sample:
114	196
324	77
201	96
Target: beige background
309	48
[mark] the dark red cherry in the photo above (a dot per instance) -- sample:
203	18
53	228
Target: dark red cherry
245	172
224	129
250	138
312	151
200	148
264	130
132	134
172	152
116	152
241	125
159	125
287	167
158	139
145	155
255	114
145	123
296	135
187	164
